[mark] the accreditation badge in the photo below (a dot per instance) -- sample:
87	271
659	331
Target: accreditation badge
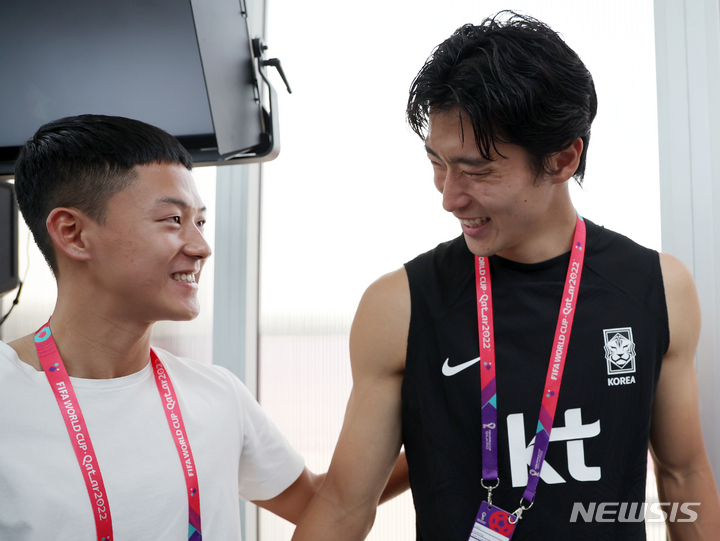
492	524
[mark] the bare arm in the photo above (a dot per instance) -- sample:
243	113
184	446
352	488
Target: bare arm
399	480
293	501
367	450
682	466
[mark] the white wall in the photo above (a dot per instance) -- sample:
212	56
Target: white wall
688	75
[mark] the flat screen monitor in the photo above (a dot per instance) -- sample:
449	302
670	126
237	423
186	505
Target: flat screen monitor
8	239
186	66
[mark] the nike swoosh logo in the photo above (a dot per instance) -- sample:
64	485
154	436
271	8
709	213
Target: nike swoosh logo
448	370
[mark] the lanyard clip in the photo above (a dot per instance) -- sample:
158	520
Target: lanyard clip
490	489
519	511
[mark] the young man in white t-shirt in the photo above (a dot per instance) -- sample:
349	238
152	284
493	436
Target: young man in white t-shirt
114	209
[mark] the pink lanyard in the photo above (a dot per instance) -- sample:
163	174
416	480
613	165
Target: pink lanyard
558	355
80	438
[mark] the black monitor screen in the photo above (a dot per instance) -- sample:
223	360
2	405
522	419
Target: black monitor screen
8	239
132	58
84	56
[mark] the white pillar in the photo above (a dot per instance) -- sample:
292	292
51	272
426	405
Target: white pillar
235	317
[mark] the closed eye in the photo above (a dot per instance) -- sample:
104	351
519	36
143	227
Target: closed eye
476	175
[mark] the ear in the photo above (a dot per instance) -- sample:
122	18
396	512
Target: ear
565	163
66	227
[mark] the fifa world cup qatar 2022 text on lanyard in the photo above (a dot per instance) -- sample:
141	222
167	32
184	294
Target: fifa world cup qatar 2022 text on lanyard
64	393
492	523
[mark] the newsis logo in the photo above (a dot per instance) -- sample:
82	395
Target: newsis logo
634	512
620	356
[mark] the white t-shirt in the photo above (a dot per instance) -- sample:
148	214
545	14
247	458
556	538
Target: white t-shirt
237	450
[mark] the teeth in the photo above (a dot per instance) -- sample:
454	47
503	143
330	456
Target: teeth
476	222
183	277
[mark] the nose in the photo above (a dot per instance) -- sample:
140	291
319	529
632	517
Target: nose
453	191
195	244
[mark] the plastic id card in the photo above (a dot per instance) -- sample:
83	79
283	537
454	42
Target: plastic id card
492	524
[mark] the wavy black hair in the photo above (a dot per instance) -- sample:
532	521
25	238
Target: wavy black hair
517	82
81	162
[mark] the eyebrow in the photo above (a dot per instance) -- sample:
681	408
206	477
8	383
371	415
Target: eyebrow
168	200
464	160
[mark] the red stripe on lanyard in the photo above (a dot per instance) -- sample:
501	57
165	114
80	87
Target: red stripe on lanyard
64	393
177	427
556	366
77	429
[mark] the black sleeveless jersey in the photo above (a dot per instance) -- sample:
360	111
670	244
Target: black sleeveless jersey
599	442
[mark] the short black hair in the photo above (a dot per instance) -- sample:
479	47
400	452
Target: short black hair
516	80
81	162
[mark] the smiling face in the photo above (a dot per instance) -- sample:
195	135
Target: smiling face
504	208
148	253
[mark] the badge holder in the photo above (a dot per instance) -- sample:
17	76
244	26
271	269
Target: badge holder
493	523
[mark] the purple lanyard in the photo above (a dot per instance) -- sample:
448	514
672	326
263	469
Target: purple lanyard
556	366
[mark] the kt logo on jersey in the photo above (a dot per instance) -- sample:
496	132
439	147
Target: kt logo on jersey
619	355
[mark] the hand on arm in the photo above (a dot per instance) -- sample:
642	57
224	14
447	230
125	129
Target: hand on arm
367	450
683	470
293	501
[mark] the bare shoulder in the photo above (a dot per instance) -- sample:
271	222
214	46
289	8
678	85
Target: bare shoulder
380	328
683	306
25	348
675	273
390	292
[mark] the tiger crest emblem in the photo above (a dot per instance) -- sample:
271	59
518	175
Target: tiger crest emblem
619	351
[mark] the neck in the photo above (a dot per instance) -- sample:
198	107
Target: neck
97	346
549	240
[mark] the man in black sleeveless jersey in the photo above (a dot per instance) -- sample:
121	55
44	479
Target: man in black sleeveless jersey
505	110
